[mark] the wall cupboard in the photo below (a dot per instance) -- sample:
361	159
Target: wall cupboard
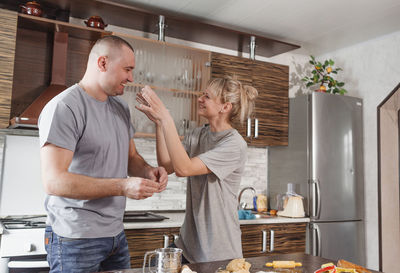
269	124
177	73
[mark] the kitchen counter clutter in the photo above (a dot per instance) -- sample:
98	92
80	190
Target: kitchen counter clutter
309	264
175	219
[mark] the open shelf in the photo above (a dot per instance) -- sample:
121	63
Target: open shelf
195	93
48	25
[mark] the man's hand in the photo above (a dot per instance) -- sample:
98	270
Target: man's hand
158	174
140	188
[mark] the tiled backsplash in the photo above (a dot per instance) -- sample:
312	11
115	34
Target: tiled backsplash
174	197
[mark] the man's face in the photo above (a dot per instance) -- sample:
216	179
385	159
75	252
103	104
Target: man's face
119	71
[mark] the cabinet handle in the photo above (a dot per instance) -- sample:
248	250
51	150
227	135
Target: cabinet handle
271	240
249	127
176	236
166	241
264	241
256	128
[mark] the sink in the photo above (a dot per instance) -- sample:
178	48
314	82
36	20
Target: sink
142	216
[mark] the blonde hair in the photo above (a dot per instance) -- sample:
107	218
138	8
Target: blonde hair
242	97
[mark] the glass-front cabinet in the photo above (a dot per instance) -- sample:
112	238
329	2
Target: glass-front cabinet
178	74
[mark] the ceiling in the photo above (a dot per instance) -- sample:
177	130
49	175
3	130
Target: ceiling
318	26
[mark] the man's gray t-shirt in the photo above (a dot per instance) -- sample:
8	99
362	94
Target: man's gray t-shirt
211	229
98	133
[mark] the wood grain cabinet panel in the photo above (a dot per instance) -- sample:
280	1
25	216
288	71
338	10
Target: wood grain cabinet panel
259	240
142	240
8	36
272	104
287	238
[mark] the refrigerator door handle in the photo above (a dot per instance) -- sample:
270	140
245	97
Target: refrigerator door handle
318	197
318	241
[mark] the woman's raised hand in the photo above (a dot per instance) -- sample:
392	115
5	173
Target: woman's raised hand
151	105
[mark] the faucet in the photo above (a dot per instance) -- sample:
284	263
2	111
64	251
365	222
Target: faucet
243	205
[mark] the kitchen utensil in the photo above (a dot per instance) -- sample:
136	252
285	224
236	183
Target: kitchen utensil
294	207
167	260
31	8
95	22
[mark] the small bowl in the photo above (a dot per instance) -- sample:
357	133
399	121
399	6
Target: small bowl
95	22
32	8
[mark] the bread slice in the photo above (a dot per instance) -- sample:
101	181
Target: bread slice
346	264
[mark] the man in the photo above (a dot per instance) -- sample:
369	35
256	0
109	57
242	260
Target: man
87	152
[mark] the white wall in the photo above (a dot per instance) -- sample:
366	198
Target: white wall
371	72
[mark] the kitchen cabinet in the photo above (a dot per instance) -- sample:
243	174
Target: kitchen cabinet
142	240
257	240
269	124
177	73
265	239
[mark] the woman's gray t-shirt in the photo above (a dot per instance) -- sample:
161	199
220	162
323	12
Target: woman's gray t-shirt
98	133
211	229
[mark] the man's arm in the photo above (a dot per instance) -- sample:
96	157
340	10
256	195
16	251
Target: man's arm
137	166
58	181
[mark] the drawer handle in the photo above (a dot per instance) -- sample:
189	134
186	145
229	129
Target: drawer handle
166	241
271	240
176	236
256	128
264	241
249	127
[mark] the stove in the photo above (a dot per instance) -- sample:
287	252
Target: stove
22	244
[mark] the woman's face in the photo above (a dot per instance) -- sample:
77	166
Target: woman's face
209	105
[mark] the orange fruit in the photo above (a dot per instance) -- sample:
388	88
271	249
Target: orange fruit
329	69
322	88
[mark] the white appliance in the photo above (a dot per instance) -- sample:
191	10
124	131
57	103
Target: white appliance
324	160
22	209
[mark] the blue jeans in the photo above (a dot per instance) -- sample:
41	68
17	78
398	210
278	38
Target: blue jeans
86	255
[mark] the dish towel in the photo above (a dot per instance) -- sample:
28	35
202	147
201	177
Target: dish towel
245	215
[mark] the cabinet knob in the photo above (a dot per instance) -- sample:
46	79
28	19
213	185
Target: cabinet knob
256	128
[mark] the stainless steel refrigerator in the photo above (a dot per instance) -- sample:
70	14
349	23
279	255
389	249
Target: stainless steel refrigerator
324	160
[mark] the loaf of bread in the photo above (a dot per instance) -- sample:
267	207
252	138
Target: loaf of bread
346	264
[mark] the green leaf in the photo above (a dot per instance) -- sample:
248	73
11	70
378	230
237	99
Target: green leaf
331	62
326	63
311	62
312	57
334	72
309	84
338	69
335	90
343	91
314	72
340	84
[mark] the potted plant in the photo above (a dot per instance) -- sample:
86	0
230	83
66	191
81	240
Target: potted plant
322	77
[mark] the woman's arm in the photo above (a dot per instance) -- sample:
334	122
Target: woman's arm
182	164
163	158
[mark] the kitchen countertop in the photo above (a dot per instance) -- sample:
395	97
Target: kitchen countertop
176	220
310	264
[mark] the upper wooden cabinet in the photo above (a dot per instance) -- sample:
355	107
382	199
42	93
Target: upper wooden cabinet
177	73
269	124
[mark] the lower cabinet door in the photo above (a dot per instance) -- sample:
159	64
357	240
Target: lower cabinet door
259	240
142	240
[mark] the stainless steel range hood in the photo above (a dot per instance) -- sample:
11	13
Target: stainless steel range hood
29	118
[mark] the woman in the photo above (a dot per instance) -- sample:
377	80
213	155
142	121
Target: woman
213	158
